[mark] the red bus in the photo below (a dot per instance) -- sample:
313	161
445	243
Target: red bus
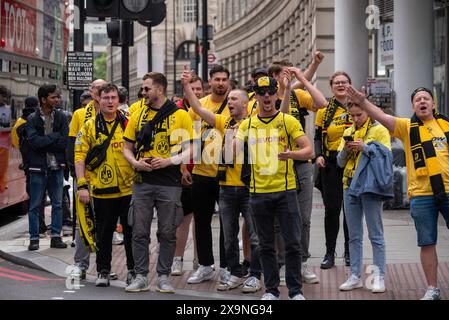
33	46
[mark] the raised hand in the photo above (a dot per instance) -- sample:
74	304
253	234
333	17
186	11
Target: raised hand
354	95
186	76
318	57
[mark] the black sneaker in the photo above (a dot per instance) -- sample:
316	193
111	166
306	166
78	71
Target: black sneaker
113	276
102	280
34	245
347	260
328	262
57	243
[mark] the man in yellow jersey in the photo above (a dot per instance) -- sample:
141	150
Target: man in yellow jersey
110	183
205	188
301	102
234	194
158	139
80	117
271	136
425	139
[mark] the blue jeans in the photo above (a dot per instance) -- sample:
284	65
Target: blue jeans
233	201
371	207
53	182
284	206
424	212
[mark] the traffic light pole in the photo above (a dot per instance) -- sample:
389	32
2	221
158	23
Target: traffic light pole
78	44
150	49
126	25
204	63
197	42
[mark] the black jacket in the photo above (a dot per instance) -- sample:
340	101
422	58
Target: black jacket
41	144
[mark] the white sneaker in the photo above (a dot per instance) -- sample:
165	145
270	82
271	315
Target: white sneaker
432	293
307	275
378	285
298	297
251	285
352	283
203	273
224	275
164	285
176	268
232	283
269	296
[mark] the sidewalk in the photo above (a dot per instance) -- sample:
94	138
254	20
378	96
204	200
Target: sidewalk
404	279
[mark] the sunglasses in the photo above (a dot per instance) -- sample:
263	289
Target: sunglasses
263	91
146	89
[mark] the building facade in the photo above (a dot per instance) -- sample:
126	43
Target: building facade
378	42
173	46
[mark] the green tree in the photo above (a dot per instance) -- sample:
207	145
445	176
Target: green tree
100	67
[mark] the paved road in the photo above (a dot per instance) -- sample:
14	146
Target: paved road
22	283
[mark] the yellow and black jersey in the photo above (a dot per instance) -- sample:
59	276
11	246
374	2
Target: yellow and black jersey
232	171
211	139
80	117
266	138
138	105
371	131
114	177
330	130
170	137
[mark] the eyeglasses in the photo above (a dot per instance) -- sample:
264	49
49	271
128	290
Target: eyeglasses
146	89
263	91
340	83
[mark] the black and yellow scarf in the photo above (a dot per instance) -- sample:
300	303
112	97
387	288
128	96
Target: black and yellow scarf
354	155
329	115
424	154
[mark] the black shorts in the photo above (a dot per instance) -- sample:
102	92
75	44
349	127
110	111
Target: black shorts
186	200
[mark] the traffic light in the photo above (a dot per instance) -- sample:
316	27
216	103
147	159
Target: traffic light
121	33
153	11
143	10
102	8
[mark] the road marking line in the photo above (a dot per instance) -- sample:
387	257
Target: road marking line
4	275
26	275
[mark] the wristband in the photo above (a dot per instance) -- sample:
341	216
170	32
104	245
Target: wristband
82	184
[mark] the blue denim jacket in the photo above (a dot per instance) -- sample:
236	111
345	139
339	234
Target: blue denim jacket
374	173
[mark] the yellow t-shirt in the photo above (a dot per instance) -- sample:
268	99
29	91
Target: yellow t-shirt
115	170
335	129
206	164
253	105
234	172
420	186
14	137
80	117
136	106
175	132
376	133
266	138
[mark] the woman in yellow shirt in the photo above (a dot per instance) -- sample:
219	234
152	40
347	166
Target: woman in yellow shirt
331	122
352	146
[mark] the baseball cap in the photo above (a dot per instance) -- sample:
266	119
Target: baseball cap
266	84
259	71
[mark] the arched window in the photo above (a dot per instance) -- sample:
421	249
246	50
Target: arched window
186	50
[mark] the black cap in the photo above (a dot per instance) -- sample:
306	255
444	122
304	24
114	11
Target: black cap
421	89
261	71
31	102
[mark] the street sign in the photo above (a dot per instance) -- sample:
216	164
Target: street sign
210	32
211	58
80	70
385	44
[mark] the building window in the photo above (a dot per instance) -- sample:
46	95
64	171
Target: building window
186	10
186	51
99	39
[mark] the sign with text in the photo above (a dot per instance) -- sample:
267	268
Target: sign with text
385	44
80	70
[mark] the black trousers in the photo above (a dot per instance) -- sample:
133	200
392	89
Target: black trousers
205	193
107	212
331	178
